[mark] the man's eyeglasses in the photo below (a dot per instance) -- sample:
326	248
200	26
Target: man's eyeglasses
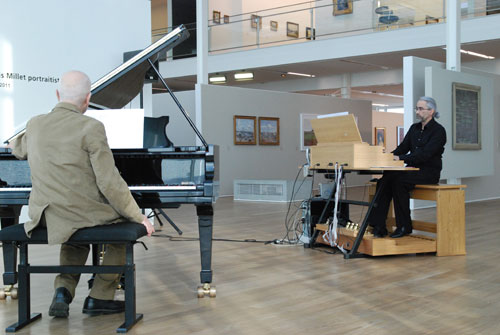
422	109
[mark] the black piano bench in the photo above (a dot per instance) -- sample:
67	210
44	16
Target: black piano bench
120	233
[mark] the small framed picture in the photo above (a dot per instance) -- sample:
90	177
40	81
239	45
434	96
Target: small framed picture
274	25
216	17
226	18
307	136
310	33
292	29
269	131
400	134
244	129
256	20
380	136
466	117
341	7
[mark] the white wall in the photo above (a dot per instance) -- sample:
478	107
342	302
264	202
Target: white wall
487	166
47	38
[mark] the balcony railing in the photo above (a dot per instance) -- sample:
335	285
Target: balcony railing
305	22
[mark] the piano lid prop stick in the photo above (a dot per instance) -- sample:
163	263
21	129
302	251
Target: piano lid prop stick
205	144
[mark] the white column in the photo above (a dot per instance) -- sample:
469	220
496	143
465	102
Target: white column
345	90
453	20
201	57
453	35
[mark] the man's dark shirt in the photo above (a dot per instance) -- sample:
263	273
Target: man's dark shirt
425	147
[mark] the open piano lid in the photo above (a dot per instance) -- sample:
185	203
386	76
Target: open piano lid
124	83
120	86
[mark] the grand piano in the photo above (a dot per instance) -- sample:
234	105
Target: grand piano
160	175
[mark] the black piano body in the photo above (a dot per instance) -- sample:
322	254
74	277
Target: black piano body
163	176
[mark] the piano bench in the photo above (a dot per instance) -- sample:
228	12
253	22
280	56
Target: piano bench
449	228
121	233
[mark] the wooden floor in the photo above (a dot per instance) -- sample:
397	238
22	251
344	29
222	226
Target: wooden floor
284	289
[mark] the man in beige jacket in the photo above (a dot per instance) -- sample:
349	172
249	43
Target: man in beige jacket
75	184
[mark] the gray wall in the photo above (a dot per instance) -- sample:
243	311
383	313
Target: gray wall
178	129
463	163
478	188
221	103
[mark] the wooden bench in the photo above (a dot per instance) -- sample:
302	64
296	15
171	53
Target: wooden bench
120	233
449	228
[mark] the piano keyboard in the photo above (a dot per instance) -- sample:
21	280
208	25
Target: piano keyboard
132	188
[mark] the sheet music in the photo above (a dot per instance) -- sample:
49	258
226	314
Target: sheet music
124	127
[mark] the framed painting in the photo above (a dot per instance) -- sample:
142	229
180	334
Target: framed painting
226	18
466	110
380	136
244	129
269	131
292	29
256	20
307	136
400	134
341	7
274	25
216	17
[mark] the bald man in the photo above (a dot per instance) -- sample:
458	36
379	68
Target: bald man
75	184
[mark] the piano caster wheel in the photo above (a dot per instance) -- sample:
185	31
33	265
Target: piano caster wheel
206	289
8	290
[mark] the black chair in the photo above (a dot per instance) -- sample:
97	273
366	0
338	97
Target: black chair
120	233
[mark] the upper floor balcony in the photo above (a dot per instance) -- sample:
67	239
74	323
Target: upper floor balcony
315	31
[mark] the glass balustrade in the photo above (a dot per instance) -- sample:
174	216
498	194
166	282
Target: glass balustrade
305	22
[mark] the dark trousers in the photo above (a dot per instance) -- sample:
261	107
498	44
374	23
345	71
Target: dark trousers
397	185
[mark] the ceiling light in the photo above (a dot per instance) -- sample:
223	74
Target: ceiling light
472	53
301	74
380	105
217	79
243	76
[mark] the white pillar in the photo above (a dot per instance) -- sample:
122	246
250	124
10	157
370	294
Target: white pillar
345	90
453	35
453	20
201	57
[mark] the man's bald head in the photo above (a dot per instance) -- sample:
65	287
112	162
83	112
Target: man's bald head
74	88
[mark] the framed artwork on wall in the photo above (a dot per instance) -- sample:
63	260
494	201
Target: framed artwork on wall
269	131
254	20
216	17
310	33
400	134
341	7
380	136
307	136
226	18
244	129
466	110
274	25
292	29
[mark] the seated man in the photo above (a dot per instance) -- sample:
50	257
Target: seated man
422	147
75	184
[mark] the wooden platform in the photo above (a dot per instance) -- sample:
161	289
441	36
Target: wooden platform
412	244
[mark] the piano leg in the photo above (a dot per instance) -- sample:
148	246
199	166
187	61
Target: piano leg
8	217
205	224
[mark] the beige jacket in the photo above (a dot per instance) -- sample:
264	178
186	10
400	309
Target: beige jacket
74	179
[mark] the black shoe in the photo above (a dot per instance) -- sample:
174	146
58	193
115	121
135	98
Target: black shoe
400	232
379	232
94	306
59	307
